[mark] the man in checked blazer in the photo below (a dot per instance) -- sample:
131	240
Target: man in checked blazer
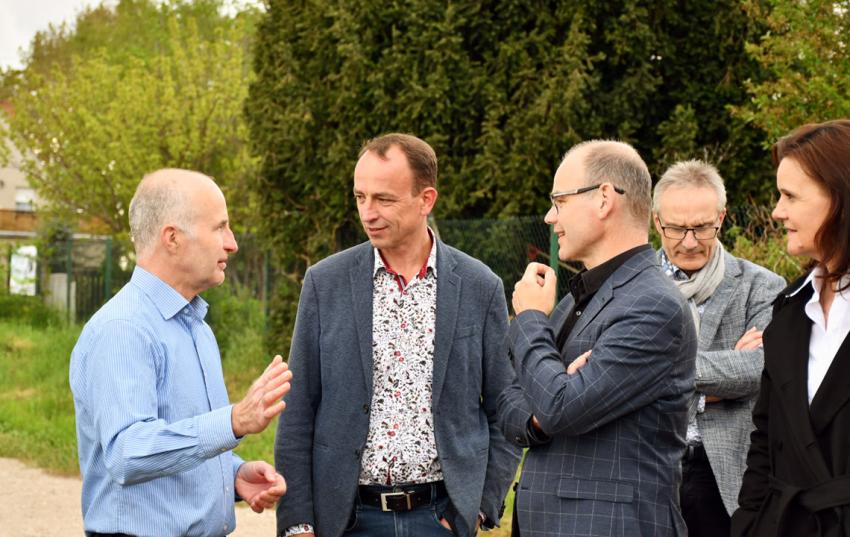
604	382
398	351
731	301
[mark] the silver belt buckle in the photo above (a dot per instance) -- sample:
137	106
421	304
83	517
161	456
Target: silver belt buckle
385	495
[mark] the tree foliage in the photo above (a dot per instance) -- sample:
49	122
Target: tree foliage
500	89
130	90
805	55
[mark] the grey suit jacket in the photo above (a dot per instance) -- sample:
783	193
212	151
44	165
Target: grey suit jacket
742	300
322	431
617	426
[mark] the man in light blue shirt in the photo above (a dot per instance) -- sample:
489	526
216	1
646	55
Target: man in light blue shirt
155	428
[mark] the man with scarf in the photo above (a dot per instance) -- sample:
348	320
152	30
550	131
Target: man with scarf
730	299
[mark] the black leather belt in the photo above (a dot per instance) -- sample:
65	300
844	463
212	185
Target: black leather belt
401	497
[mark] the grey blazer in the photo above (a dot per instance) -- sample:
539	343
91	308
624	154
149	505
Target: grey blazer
742	300
617	426
322	431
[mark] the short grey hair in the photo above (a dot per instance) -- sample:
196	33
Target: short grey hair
620	164
155	204
690	173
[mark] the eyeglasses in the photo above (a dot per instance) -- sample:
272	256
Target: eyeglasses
677	233
553	197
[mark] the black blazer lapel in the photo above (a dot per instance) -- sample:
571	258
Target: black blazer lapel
448	304
786	360
362	285
833	392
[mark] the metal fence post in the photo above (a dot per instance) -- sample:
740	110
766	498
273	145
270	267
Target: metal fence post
9	268
107	271
68	276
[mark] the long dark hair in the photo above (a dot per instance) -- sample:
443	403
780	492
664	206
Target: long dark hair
823	152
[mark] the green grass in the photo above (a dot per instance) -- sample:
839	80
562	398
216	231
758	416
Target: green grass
37	408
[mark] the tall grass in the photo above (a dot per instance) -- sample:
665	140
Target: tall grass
36	406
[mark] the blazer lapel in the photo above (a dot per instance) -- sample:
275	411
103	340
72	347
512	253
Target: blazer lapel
559	316
787	345
832	393
448	304
362	285
631	268
715	307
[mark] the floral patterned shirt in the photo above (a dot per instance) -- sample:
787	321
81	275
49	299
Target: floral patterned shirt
401	447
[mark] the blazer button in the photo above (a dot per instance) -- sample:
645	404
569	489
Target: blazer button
365	409
357	453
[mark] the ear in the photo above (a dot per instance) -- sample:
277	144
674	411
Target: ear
428	197
722	217
606	200
657	222
169	238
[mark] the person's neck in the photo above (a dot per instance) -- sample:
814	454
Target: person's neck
161	270
408	259
615	244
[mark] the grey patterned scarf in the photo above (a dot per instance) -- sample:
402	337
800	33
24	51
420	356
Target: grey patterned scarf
702	283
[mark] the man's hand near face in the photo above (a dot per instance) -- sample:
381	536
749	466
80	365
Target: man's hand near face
535	290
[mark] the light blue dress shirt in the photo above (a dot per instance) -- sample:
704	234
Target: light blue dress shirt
153	419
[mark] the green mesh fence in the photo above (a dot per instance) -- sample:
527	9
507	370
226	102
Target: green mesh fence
507	246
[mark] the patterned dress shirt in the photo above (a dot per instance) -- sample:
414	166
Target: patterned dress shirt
401	447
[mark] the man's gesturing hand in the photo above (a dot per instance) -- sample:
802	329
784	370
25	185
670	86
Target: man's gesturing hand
258	484
263	400
536	289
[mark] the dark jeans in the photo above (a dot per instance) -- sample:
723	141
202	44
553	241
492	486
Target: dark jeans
368	521
702	506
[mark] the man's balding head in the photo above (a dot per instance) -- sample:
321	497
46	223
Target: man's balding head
164	197
620	164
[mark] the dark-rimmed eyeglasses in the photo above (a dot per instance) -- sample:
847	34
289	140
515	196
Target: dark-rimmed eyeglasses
702	233
554	196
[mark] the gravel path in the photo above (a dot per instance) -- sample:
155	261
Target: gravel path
36	504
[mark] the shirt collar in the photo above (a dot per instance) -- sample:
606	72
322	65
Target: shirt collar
670	269
813	308
588	282
166	299
430	263
817	284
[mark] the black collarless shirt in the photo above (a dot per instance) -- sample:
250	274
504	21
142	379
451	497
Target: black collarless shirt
585	284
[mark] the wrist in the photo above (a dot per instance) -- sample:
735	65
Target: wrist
236	422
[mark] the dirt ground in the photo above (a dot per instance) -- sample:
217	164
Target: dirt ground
36	504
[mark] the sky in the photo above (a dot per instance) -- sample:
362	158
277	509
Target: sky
21	19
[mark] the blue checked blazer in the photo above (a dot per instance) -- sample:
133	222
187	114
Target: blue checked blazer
612	465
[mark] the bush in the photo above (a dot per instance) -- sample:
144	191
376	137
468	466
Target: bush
755	236
235	316
29	310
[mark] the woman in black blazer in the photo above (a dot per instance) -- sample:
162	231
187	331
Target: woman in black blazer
797	481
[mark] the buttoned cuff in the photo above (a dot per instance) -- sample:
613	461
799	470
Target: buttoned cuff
535	435
215	432
296	530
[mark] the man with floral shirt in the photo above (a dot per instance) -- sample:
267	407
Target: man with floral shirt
398	351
